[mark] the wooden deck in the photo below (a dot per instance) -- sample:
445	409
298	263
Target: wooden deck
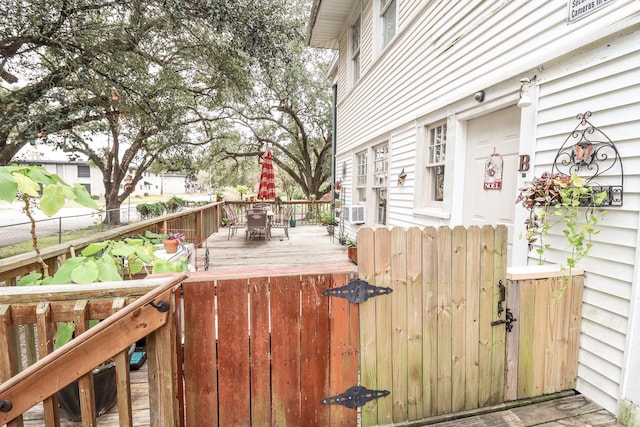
309	248
574	410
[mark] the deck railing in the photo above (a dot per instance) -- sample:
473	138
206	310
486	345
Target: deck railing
208	364
202	221
143	308
305	212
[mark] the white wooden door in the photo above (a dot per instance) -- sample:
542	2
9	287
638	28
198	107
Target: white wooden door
499	133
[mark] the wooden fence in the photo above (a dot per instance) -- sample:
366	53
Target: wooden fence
279	348
135	317
268	350
438	342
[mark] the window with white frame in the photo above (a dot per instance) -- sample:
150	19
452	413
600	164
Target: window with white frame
361	177
436	136
387	20
361	171
380	179
355	50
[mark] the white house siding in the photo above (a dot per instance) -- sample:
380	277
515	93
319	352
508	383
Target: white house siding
602	78
446	51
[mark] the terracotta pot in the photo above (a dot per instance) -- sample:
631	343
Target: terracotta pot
352	253
171	246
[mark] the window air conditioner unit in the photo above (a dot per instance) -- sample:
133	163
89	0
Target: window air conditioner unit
355	214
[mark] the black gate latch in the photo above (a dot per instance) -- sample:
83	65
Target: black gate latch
355	397
509	319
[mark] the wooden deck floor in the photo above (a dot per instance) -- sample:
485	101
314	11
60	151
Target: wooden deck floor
574	410
309	248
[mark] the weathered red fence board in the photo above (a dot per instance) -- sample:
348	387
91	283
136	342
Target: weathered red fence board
285	347
260	352
315	350
233	357
201	394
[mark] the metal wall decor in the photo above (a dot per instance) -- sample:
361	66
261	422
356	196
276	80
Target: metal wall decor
591	155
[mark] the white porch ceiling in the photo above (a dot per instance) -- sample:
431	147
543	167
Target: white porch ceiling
328	18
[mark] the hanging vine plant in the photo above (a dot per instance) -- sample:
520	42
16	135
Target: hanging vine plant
561	199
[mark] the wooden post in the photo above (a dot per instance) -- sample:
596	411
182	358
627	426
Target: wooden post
8	365
45	346
164	372
123	378
85	383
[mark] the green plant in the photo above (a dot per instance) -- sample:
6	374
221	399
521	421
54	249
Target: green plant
243	190
326	218
564	198
106	261
35	186
174	204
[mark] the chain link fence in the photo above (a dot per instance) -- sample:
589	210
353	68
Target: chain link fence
12	234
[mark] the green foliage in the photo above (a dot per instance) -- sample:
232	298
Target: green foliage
174	204
26	181
88	70
243	190
568	200
150	210
327	218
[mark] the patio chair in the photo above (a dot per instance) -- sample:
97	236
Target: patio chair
233	221
257	224
282	220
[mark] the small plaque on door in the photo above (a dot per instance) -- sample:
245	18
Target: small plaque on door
493	172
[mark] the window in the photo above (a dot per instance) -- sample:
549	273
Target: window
388	20
355	51
87	187
380	165
436	154
361	173
380	177
84	171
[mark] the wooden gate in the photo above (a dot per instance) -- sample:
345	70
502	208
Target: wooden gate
431	342
438	342
267	350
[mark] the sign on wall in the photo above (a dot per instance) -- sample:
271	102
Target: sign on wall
578	9
493	172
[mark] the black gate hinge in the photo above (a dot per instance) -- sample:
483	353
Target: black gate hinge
355	397
357	291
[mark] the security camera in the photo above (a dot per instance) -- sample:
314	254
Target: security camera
479	96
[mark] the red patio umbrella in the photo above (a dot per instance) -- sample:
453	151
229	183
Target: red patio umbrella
267	189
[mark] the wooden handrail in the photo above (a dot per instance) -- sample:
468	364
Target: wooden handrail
78	357
20	265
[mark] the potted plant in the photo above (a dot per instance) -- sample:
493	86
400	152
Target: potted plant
326	217
243	190
561	199
219	195
352	250
172	241
331	224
